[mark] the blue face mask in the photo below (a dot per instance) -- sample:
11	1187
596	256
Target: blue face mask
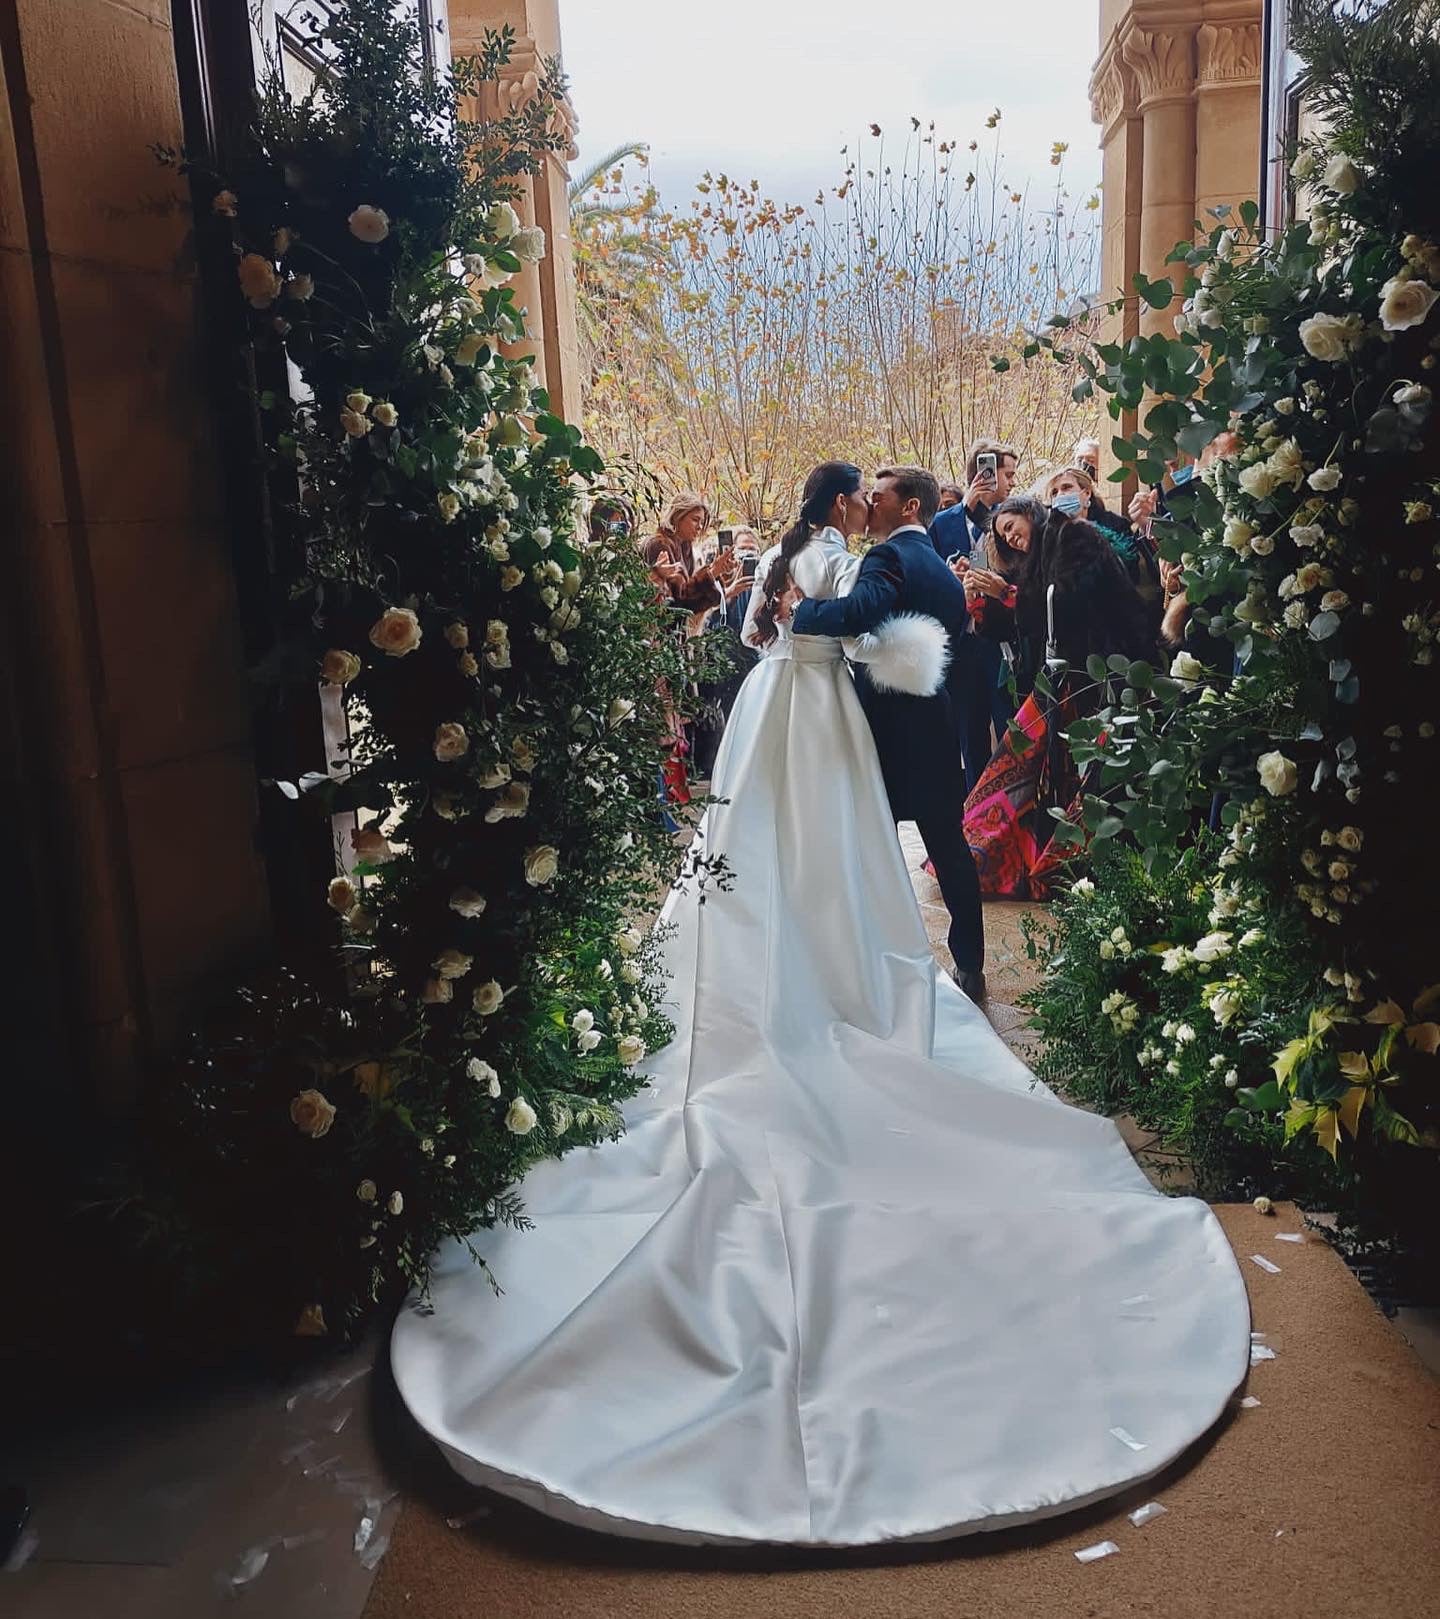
1069	504
1183	475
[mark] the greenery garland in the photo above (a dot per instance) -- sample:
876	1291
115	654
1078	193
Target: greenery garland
506	683
1281	977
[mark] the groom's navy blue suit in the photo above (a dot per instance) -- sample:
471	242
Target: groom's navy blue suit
915	736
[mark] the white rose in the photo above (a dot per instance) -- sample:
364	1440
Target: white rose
528	244
1288	463
339	668
395	1203
1262	545
629	941
367	1191
259	280
448	506
369	224
1224	1005
1404	304
1341	176
1263	1205
396	632
1278	775
1185	667
498	657
559	652
467	351
356	425
1238	535
311	1114
385	413
1350	838
437	992
520	1117
621	709
371	846
487	998
510	577
452	741
1251	937
630	1048
502	221
1082	888
1306	535
1212	947
1258	481
482	1073
583	1020
1333	601
1325	337
542	862
589	1040
467	903
513	802
452	963
341	895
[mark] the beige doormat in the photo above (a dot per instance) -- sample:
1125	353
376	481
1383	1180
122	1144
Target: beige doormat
1321	1503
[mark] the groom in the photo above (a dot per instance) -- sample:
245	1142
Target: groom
914	736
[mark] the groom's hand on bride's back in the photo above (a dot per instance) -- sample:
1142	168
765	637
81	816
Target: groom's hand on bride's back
788	600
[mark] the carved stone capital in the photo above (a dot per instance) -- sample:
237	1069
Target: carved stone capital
1163	62
1112	94
1229	53
517	83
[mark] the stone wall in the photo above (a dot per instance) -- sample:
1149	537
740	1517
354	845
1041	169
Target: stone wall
1177	94
128	764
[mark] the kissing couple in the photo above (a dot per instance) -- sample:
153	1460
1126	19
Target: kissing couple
852	1274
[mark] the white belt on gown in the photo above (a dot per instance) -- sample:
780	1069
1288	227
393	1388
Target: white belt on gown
853	1274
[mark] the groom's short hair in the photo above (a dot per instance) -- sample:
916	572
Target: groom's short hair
915	483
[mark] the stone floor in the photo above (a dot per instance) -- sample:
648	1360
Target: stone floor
283	1495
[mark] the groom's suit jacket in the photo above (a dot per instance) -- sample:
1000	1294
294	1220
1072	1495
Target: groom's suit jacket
914	736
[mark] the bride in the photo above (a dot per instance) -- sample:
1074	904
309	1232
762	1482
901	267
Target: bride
853	1274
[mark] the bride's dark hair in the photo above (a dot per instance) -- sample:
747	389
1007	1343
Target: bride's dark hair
829	479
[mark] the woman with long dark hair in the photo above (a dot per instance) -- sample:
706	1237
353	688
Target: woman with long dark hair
1061	589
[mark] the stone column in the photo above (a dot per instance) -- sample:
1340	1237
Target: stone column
1163	62
1227	112
1113	105
547	290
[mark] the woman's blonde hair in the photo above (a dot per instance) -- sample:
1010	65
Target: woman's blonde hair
681	506
1045	489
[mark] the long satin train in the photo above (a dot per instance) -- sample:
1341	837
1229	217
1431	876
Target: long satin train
853	1274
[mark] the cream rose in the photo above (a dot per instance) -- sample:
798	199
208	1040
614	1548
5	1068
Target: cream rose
1258	481
448	506
457	635
367	1191
467	350
510	577
1187	666
341	895
452	741
396	632
339	668
498	657
1324	479
356	425
368	224
385	413
395	1203
453	963
480	1071
502	222
311	1114
467	903
1329	337
1238	535
620	709
513	802
528	244
630	1048
588	1041
628	942
1278	775
487	998
437	992
1403	304
542	863
520	1117
371	846
259	280
523	754
1341	176
583	1020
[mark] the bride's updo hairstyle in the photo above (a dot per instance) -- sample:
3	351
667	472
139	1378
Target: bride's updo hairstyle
829	479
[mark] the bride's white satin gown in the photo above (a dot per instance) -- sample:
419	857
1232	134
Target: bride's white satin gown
852	1274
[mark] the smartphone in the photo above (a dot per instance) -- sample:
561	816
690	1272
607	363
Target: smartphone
727	538
748	566
985	464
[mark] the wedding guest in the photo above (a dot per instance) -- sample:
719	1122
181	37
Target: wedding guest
1071	489
951	494
1086	454
1096	609
979	682
693	588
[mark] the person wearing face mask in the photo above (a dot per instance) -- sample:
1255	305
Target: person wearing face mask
1071	490
1096	609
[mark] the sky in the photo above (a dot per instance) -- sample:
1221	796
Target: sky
771	90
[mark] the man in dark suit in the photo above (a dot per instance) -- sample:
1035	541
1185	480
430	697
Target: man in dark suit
914	736
976	693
